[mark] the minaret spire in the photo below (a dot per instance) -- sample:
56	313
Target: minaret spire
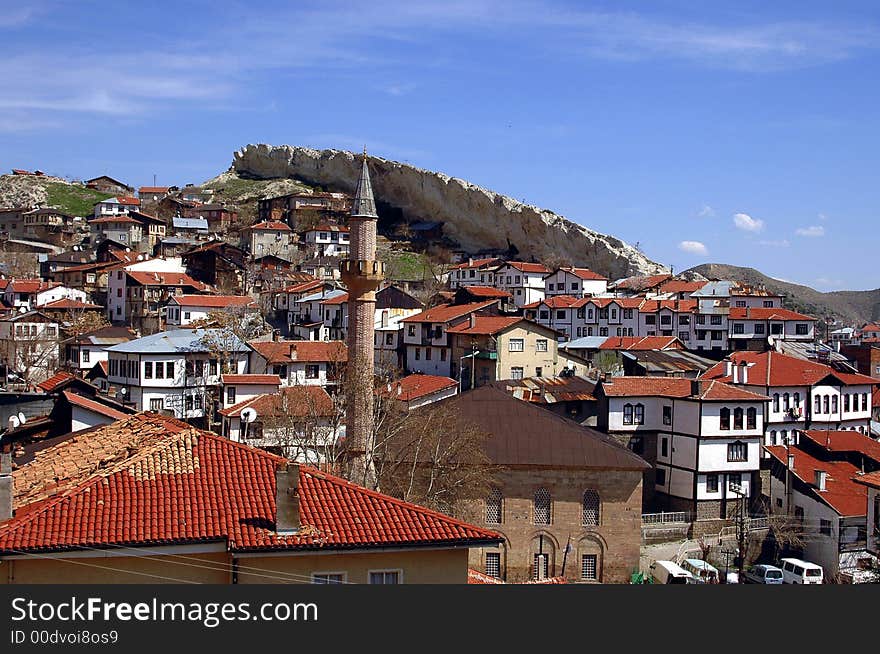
362	274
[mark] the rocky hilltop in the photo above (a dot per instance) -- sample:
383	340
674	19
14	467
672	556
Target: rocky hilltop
476	218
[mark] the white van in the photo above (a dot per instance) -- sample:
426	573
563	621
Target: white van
668	572
795	571
703	572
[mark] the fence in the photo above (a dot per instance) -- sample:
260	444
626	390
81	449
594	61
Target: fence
666	518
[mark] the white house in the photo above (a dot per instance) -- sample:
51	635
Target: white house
524	281
176	371
576	282
32	293
28	347
750	327
299	363
319	316
240	388
183	310
418	390
328	240
704	438
116	206
474	272
804	394
84	351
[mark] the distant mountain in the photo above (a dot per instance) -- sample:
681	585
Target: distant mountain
851	307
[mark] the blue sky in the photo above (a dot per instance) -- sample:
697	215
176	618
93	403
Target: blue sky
741	133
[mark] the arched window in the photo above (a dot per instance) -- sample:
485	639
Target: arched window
627	414
775	402
833	404
640	414
542	507
494	507
817	405
591	508
826	404
752	418
725	418
797	400
786	402
738	418
772	437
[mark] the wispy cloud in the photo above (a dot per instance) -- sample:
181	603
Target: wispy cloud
693	247
746	223
706	212
784	243
813	231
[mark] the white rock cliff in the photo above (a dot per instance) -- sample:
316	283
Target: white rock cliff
473	216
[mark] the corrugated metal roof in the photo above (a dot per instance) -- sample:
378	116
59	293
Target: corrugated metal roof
190	223
178	340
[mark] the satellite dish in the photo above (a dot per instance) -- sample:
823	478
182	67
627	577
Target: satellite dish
22	309
248	415
13	422
22	418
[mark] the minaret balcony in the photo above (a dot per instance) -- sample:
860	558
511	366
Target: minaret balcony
365	268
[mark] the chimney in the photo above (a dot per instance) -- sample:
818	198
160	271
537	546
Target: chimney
470	261
735	373
695	387
472	320
728	368
5	485
821	476
287	498
743	373
399	389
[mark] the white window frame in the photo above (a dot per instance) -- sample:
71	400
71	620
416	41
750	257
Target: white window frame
521	345
399	572
341	573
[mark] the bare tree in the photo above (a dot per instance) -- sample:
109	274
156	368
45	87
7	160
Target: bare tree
31	350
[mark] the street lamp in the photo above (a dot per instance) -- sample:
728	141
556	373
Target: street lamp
740	525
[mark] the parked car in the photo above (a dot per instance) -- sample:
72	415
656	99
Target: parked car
795	571
703	572
668	572
763	574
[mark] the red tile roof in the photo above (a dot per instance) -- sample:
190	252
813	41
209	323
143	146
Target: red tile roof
304	287
641	343
55	381
622	302
676	387
194	486
294	401
96	407
251	379
477	263
681	306
271	225
114	219
446	312
486	325
761	313
844	441
841	493
681	286
30	285
775	369
68	304
558	302
642	282
485	291
165	279
413	387
339	299
329	228
872	479
310	351
583	273
539	268
213	301
153	189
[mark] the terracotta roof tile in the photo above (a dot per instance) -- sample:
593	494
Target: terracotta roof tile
413	387
486	325
96	407
641	343
251	379
775	369
213	301
295	401
583	273
844	441
68	304
485	291
761	313
522	266
446	312
677	387
311	351
55	381
271	225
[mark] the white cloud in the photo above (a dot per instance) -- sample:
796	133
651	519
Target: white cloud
784	243
813	231
693	247
706	211
746	223
823	217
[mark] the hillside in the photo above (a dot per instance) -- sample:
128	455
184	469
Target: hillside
855	307
43	191
474	219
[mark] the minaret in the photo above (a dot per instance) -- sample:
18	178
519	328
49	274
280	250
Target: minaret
362	274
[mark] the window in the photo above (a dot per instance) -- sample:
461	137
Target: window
544	315
737	451
198	401
701	320
725	418
637	444
541	345
516	372
443	354
212	366
752	418
560	315
588	567
817	408
603	331
824	526
738	418
650	320
156	404
711	483
51	330
684	336
427	354
773	437
541	566
312	370
660	479
85	355
494	507
515	345
385	576
759	328
628	313
627	414
552	287
169	369
418	354
389	339
714	320
640	414
665	320
541	507
776	328
493	564
411	330
230	395
188	404
590	513
826	404
539	371
667	415
148	369
864	401
846	403
734	480
741	304
833	404
664	447
800	329
775	402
